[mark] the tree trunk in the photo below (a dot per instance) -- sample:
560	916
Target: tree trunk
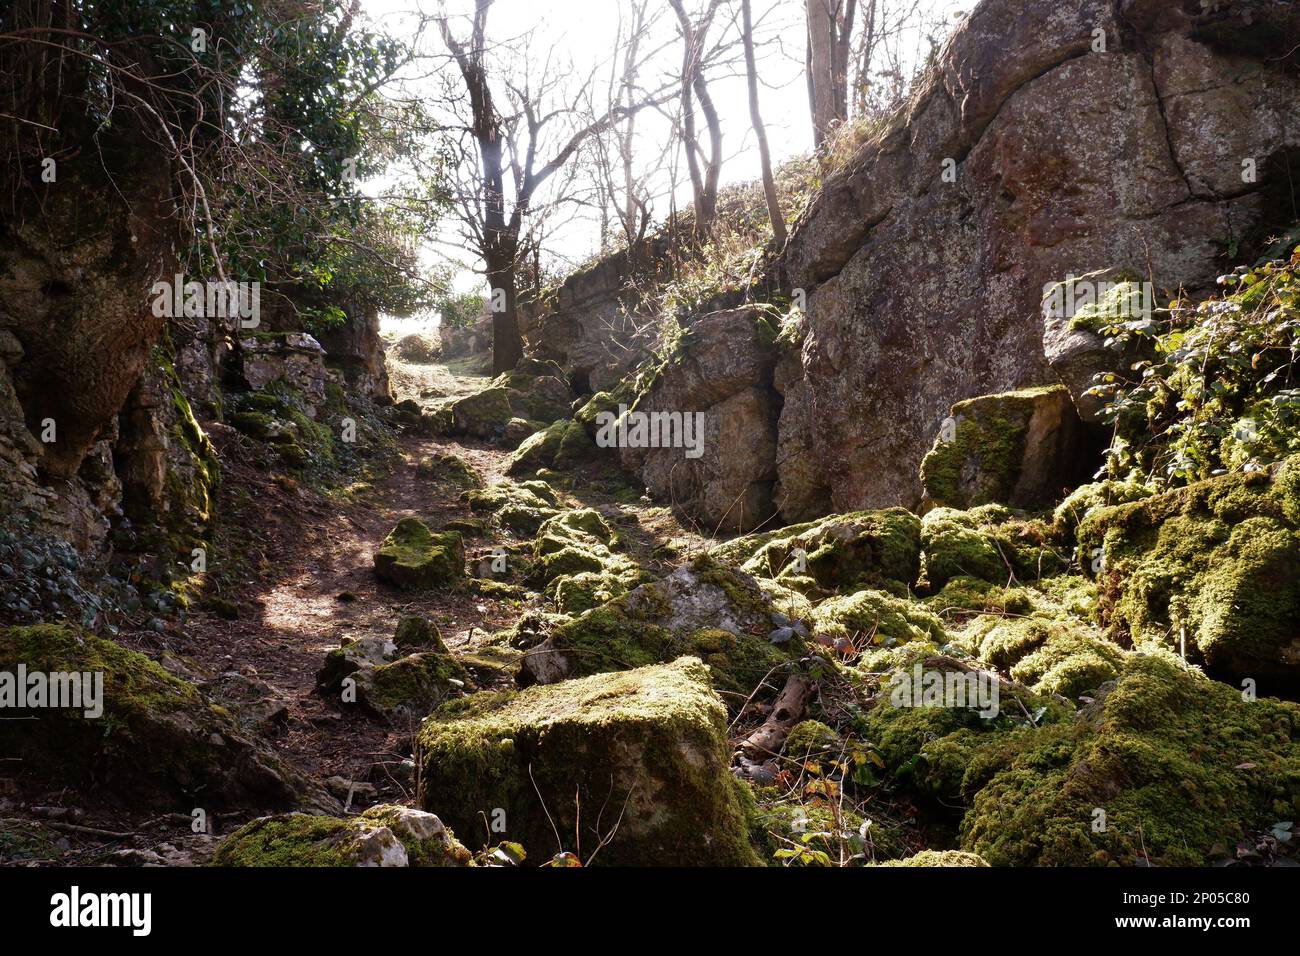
507	343
821	68
765	157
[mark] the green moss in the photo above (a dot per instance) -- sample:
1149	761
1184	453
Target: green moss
940	858
414	557
878	618
862	548
295	839
1177	763
576	593
812	740
650	745
156	739
934	749
448	468
1214	561
989	542
412	685
428	843
981	463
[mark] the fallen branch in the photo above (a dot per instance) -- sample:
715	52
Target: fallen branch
788	710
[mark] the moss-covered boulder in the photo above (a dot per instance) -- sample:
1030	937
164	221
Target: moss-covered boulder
563	445
648	745
382	836
874	617
1164	768
418	633
1020	448
411	686
414	558
580	542
156	741
703	609
941	858
575	593
352	656
521	507
1215	562
514	395
930	743
863	548
449	469
1051	656
991	543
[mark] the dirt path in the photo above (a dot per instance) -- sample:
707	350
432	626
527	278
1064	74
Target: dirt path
317	589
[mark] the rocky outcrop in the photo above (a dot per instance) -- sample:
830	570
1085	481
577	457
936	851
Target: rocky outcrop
714	403
923	289
592	324
472	338
357	351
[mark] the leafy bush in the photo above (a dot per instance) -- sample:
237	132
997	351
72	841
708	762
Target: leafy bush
1220	393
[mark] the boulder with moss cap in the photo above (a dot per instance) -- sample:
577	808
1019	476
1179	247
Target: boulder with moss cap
414	558
637	759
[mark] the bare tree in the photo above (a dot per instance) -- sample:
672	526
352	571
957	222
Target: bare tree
704	168
511	143
765	157
830	31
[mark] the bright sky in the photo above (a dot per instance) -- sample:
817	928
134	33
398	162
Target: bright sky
579	36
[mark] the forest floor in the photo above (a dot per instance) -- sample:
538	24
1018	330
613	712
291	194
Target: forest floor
303	583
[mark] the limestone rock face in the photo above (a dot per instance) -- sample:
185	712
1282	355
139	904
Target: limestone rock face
649	744
294	358
356	349
591	326
721	376
925	289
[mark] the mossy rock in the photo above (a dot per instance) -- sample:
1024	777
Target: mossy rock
419	632
940	858
414	558
353	656
450	469
410	687
650	742
157	741
562	445
878	618
932	748
522	508
484	414
1014	448
382	836
575	593
1049	656
1182	767
1217	561
704	610
867	548
991	543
